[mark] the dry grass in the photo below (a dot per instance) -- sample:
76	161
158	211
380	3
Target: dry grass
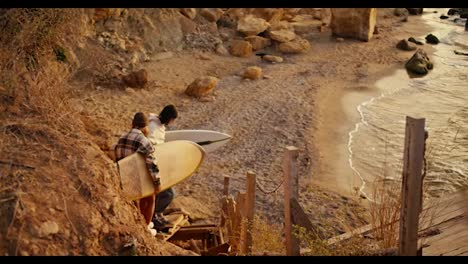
385	213
267	237
34	65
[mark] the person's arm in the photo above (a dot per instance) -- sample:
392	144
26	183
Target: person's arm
152	126
146	148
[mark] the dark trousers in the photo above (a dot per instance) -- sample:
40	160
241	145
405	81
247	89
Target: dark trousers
163	199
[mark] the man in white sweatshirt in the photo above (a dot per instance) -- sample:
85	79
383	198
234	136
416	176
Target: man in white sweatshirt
157	133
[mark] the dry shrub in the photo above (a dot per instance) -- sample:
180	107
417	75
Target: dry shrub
34	65
267	237
385	213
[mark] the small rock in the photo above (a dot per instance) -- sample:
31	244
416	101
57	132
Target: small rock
208	99
419	63
282	35
258	42
453	11
202	86
267	77
203	57
443	17
298	45
411	39
431	39
48	228
130	247
415	11
272	58
405	45
105	34
137	79
227	22
339	39
130	90
253	73
221	50
241	48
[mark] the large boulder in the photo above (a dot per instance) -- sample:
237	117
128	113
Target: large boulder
453	11
211	14
401	12
298	45
136	79
355	23
258	42
269	14
202	86
306	26
251	26
415	11
405	45
190	13
282	35
463	12
240	48
419	63
280	26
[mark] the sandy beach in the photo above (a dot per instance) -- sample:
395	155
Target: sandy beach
308	101
338	102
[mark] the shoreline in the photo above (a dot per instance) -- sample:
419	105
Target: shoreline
337	156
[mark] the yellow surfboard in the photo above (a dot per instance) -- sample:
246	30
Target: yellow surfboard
177	160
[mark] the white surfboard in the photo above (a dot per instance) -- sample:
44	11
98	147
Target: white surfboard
208	139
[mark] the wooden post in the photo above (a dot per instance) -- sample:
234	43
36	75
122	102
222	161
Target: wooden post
411	190
249	207
226	186
223	201
231	220
291	191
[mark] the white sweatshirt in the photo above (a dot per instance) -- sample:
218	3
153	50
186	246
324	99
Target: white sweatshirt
157	131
